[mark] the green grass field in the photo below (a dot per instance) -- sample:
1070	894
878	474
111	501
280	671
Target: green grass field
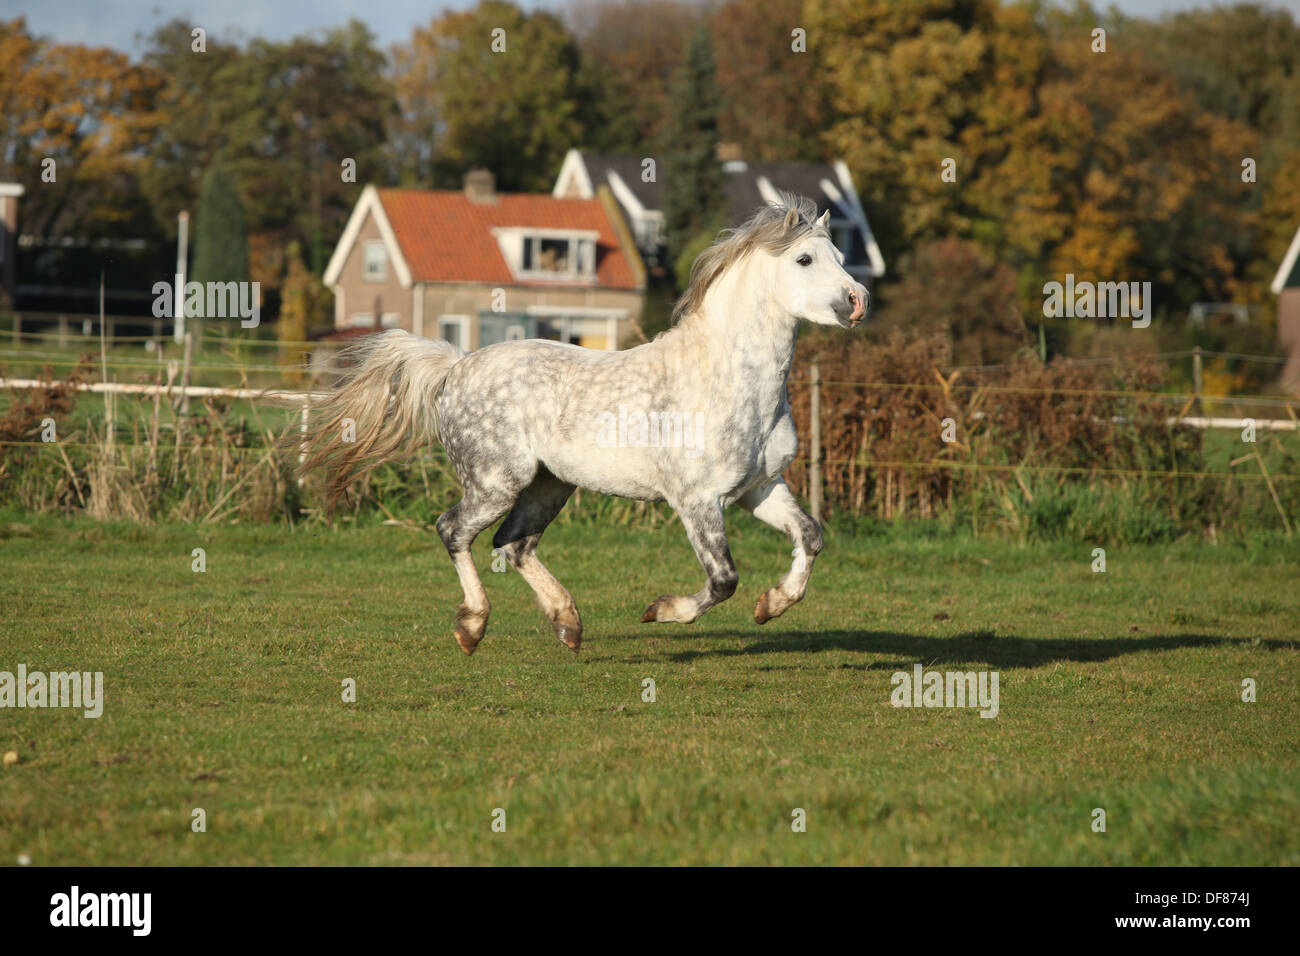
1119	691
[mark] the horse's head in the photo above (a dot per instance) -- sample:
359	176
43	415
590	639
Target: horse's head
787	257
808	277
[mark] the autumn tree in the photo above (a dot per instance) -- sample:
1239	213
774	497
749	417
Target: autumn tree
630	50
1240	61
325	123
1243	62
220	237
773	104
299	125
494	87
956	289
694	190
201	105
904	84
304	302
1150	178
73	124
1010	126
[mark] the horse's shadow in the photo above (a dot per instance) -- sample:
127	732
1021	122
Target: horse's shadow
972	647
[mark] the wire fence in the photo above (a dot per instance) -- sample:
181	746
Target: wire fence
287	399
1177	397
809	476
252	343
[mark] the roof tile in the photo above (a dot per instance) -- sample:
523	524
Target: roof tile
446	237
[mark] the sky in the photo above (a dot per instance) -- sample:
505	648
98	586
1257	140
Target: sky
124	23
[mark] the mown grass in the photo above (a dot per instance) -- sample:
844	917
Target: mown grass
1119	690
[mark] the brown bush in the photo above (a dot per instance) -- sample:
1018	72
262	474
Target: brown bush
884	405
52	399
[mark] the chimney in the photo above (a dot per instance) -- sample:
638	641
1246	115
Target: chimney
481	185
729	153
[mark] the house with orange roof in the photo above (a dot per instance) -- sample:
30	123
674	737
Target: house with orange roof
476	266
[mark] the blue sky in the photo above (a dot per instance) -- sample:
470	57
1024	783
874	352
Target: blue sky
120	23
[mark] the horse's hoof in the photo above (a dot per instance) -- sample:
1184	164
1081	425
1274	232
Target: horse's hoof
470	628
772	604
651	614
467	643
570	637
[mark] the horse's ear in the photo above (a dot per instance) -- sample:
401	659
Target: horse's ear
825	220
791	219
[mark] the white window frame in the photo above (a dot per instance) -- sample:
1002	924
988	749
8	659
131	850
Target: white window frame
575	239
367	248
461	322
561	314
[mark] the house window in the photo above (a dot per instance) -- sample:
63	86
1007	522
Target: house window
649	230
454	329
494	327
591	333
559	256
391	320
376	261
361	320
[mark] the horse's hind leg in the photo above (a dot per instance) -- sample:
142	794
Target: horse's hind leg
708	536
773	504
536	507
458	528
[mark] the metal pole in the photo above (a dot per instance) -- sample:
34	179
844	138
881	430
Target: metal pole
182	247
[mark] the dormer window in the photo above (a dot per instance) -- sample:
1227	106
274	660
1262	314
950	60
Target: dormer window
558	256
376	261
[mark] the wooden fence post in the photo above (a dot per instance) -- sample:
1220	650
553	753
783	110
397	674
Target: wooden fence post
302	432
109	425
187	363
1198	382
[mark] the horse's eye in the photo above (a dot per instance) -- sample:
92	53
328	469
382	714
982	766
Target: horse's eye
804	260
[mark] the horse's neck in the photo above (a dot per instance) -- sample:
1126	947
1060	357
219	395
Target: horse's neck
745	340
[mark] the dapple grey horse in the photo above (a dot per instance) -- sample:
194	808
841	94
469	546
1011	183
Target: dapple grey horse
698	417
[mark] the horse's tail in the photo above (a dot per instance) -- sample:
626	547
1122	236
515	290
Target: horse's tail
382	407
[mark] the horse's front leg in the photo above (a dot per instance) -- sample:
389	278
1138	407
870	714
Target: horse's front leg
708	536
773	504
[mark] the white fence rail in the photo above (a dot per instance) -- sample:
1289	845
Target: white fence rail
306	398
193	391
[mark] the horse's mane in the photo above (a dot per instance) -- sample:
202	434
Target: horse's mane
765	229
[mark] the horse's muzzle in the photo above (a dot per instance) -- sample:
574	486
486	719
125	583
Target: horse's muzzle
851	307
